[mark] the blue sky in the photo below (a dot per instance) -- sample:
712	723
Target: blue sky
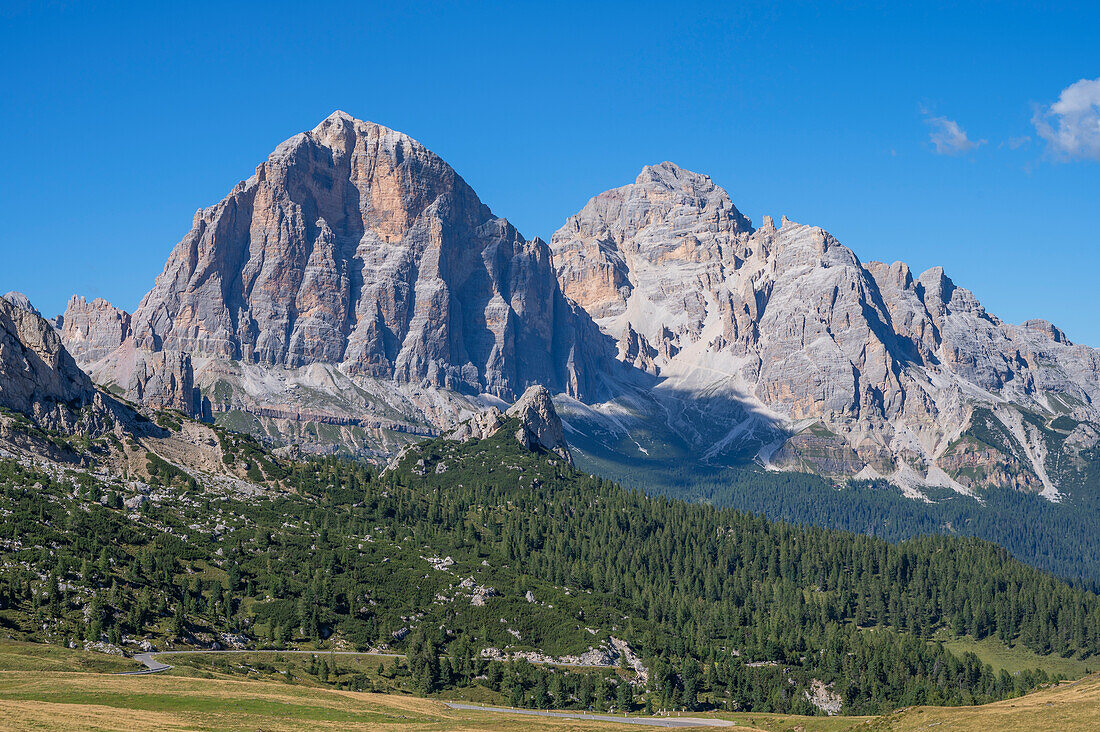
934	134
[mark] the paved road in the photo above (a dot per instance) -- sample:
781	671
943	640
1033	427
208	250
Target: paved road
152	665
644	721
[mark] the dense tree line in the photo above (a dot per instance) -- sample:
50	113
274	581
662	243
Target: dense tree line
1060	538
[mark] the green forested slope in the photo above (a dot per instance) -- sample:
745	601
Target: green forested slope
439	555
1061	538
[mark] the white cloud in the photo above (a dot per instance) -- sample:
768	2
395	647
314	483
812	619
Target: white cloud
947	137
1071	126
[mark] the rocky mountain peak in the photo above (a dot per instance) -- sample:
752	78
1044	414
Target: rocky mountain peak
356	274
668	184
667	226
784	327
337	116
355	245
672	176
20	300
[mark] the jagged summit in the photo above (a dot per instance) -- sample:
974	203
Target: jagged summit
20	300
339	114
669	174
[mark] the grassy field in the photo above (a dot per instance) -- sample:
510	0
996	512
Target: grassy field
36	694
81	701
1073	705
21	656
52	700
1018	658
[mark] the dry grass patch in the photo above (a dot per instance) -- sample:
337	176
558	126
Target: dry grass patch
71	701
1071	706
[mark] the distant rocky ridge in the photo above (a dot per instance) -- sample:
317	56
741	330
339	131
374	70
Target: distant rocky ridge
355	292
837	366
38	377
38	373
54	420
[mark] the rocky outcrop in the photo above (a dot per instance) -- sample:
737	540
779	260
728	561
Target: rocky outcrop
38	377
354	244
19	300
162	380
481	426
91	330
99	336
794	330
539	427
539	423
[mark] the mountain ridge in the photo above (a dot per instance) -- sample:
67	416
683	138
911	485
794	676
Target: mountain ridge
356	281
891	368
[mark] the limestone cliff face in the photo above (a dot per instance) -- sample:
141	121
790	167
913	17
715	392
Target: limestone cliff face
790	323
158	379
356	245
99	337
669	231
91	330
38	377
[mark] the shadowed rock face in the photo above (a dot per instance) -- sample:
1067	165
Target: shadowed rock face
786	318
38	377
354	244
